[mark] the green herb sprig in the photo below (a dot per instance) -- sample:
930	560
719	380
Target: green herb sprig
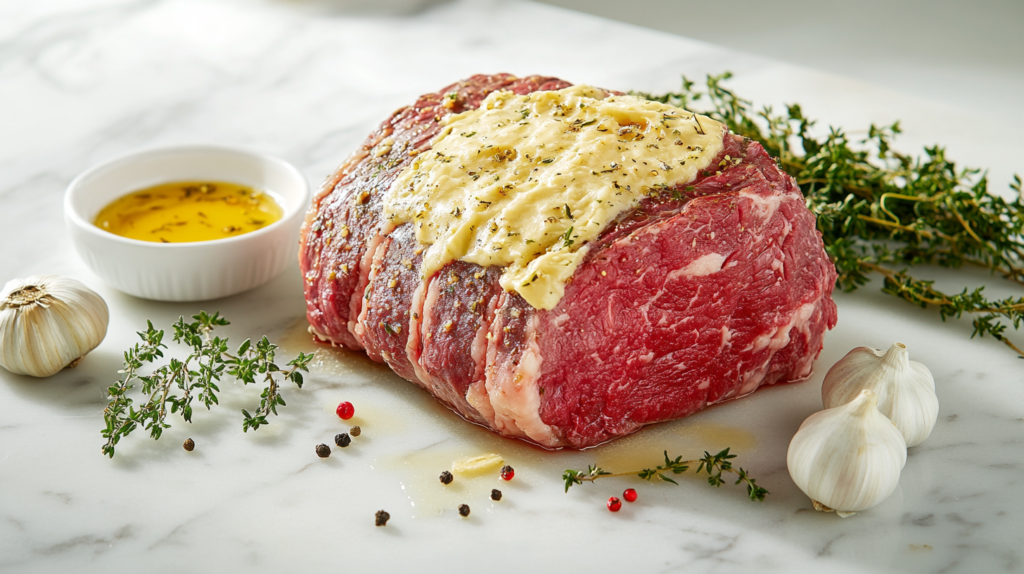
881	211
171	387
713	464
567	239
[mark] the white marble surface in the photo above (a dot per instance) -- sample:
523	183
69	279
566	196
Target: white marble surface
966	53
82	81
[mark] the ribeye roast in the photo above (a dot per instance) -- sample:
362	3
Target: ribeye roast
698	294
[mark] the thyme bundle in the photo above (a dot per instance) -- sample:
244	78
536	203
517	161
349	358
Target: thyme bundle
195	377
881	211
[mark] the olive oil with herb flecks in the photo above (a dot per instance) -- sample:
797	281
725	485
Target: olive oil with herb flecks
189	211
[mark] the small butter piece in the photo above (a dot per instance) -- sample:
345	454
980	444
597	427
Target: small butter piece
478	464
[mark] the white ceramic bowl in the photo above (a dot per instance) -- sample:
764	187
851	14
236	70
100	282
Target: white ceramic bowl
186	271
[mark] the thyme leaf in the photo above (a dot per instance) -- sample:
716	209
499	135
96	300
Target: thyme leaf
171	388
713	464
882	211
567	239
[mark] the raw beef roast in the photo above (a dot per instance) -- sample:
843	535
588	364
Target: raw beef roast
694	298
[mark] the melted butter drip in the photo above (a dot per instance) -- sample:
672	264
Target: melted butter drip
526	182
394	415
429	498
419	470
646	449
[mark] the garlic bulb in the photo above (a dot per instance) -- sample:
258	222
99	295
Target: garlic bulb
48	323
905	388
847	458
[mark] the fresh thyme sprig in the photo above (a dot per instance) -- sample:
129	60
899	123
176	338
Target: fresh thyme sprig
880	211
713	464
195	377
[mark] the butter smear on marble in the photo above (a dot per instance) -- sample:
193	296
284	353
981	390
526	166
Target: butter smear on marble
525	182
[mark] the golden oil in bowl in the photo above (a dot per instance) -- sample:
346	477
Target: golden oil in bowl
189	211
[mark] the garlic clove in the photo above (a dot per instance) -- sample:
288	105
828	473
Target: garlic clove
847	458
905	388
48	323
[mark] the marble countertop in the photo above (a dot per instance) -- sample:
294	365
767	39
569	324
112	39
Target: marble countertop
306	80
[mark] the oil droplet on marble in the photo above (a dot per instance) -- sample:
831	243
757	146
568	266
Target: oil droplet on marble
330	363
418	471
687	438
420	479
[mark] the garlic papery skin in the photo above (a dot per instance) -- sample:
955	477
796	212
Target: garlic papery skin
48	323
847	458
905	388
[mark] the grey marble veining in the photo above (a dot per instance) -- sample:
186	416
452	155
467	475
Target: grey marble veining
307	80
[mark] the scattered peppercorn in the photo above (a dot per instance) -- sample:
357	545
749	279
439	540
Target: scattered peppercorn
342	440
507	472
189	444
381	518
464	509
346	410
614	504
629	494
495	494
355	431
323	451
446	477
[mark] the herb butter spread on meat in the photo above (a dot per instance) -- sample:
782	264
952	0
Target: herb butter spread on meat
565	264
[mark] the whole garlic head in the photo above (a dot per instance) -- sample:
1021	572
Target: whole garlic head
905	388
847	458
48	323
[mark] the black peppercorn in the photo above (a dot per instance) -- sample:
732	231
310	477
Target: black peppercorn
323	451
355	431
189	444
342	440
381	518
446	477
495	494
464	509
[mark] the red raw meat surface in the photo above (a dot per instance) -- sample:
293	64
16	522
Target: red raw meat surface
696	297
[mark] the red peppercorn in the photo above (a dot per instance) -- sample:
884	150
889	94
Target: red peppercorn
614	504
630	495
507	472
346	410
